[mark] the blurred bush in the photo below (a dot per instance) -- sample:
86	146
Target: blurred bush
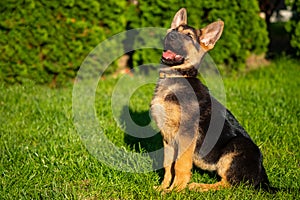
293	27
48	40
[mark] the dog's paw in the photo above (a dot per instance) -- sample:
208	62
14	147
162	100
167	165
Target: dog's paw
157	188
164	190
161	189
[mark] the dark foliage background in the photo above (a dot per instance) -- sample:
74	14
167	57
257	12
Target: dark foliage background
293	27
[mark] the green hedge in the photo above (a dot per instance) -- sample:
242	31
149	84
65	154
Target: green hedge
47	40
293	27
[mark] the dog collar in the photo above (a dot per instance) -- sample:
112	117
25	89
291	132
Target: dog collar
163	75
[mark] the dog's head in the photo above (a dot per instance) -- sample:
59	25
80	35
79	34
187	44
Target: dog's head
184	46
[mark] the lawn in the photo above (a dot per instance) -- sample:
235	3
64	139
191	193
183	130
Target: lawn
43	156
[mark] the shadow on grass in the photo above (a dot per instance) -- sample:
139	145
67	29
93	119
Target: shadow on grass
142	144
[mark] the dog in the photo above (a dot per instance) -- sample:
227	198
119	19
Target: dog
184	111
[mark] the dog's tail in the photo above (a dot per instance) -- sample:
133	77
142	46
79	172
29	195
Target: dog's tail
268	188
265	183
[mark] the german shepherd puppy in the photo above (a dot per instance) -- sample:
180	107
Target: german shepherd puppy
183	111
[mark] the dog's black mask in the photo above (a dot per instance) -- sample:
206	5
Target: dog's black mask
174	51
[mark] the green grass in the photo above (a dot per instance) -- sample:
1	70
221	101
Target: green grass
42	155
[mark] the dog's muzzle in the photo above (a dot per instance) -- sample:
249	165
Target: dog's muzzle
174	52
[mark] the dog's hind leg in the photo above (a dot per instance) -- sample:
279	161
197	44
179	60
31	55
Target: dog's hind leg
206	187
223	167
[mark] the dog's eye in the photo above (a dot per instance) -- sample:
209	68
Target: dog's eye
190	35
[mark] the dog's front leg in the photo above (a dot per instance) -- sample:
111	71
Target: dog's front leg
169	156
183	164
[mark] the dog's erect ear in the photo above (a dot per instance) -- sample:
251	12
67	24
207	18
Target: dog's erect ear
211	34
179	18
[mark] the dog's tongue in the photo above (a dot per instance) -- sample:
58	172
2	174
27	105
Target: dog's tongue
169	55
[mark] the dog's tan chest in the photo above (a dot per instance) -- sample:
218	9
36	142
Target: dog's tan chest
167	116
